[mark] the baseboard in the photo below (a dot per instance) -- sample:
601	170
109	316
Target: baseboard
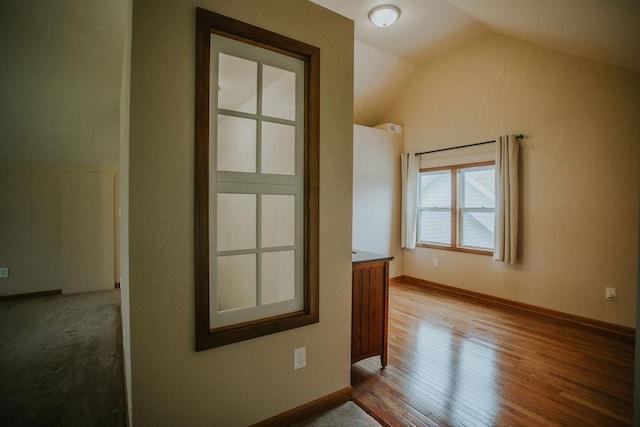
31	295
397	279
309	409
622	333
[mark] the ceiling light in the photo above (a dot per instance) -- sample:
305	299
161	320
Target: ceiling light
384	15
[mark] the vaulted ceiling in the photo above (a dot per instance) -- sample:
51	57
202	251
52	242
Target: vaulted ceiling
603	30
61	78
62	61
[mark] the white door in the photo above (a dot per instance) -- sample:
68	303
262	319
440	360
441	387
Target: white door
87	228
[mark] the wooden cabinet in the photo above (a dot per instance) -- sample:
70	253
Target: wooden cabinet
370	299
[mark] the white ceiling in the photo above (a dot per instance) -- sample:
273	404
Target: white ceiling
603	30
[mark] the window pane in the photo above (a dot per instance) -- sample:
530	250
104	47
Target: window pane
477	201
236	225
237	84
236	144
278	276
278	220
435	226
278	149
478	188
278	93
477	229
435	189
236	281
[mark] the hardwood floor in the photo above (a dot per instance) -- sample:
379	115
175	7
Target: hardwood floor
456	361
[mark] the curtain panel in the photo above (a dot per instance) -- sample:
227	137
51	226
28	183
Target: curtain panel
409	218
506	219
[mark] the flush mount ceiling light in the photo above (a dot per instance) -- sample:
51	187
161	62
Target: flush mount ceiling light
384	15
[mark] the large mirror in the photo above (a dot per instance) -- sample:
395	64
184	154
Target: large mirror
256	181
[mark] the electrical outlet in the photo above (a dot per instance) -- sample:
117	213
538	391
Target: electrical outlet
4	272
610	294
434	262
299	358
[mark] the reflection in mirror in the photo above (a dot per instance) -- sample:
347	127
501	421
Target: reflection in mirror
236	150
257	181
237	84
278	149
278	276
236	282
279	93
278	220
236	223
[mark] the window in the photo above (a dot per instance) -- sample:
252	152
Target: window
255	181
256	198
456	207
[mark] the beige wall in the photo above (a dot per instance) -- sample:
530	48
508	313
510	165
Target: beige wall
379	77
61	80
580	165
241	383
31	227
377	193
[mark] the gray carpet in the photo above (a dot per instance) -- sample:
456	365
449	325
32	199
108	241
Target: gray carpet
347	414
61	361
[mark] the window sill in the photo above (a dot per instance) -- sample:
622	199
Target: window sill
456	249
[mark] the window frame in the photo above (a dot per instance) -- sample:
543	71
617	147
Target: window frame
206	337
456	211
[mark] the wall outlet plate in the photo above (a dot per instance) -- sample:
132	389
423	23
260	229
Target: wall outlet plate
610	294
299	358
4	272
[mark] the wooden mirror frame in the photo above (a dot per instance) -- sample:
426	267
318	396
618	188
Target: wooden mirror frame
208	23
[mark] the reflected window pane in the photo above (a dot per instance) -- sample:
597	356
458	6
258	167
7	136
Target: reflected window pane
236	144
478	188
278	93
237	84
236	221
278	149
435	226
278	276
236	281
435	189
477	229
278	220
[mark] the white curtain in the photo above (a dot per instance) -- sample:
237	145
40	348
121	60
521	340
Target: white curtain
506	222
409	220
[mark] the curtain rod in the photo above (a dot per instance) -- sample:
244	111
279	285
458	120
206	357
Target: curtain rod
463	146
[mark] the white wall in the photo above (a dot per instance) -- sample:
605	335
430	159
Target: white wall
245	382
377	194
580	167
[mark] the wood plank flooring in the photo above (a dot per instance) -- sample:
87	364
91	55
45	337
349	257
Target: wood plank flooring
455	361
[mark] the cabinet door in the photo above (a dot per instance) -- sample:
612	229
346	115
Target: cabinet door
368	311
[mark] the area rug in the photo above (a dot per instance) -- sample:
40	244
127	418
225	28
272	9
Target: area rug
347	414
61	361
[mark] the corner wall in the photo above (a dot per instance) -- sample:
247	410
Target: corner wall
580	166
246	382
377	194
